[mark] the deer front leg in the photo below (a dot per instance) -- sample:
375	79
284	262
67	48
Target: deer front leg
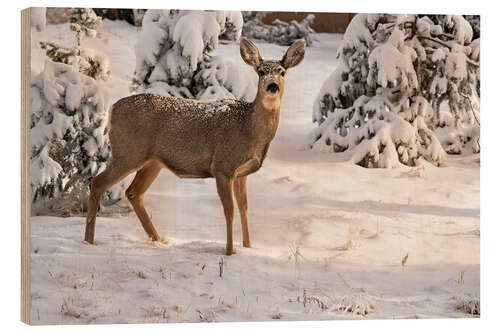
225	191
240	192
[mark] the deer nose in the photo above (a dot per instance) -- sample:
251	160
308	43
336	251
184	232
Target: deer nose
273	87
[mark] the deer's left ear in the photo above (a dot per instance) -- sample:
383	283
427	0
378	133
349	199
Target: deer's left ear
294	54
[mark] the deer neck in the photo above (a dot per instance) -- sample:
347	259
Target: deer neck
265	118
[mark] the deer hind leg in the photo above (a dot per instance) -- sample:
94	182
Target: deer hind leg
115	172
135	194
225	191
240	192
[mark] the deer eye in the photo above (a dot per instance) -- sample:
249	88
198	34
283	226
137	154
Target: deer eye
282	73
261	72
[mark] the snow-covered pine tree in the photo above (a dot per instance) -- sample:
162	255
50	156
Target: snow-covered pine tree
173	56
69	144
279	32
84	23
68	140
403	90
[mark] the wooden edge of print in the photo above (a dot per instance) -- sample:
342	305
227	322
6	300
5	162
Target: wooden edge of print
25	166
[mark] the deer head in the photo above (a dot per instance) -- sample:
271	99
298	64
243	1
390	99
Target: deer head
271	72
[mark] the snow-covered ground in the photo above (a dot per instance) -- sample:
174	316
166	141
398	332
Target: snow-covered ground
331	240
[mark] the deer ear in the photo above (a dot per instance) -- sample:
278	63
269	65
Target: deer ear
294	54
250	53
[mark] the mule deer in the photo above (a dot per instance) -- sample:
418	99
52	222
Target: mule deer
226	139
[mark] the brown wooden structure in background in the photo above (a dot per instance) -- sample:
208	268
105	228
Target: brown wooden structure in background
323	22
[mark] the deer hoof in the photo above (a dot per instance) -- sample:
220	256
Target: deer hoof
248	245
230	251
158	239
162	240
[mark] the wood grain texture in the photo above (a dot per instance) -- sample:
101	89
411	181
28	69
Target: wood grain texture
25	165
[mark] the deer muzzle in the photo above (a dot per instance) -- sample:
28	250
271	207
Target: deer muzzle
272	88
